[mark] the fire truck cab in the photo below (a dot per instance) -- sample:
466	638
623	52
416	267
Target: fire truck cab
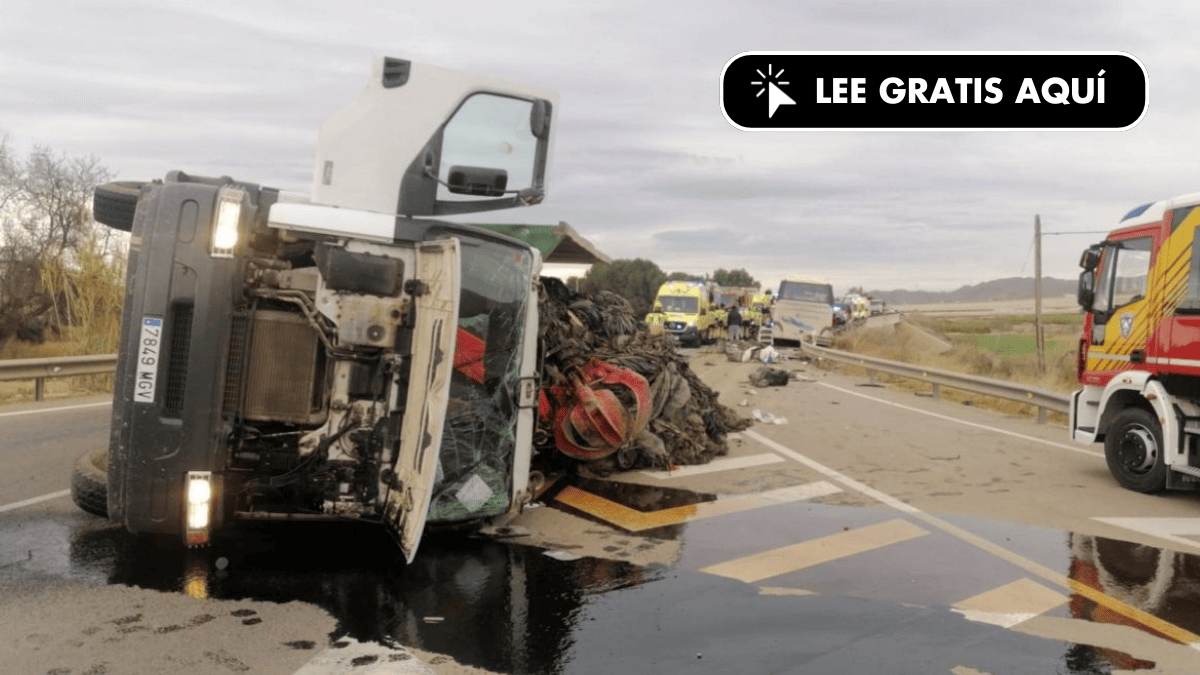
1139	355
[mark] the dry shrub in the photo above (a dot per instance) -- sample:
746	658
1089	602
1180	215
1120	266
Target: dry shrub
88	292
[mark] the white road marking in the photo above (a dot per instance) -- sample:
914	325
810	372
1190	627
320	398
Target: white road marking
1165	528
34	500
716	465
1037	569
787	559
633	520
1010	604
1062	446
63	407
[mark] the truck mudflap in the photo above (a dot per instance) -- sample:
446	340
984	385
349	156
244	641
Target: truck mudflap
410	487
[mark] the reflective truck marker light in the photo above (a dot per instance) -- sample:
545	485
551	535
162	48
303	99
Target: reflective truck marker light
199	506
227	218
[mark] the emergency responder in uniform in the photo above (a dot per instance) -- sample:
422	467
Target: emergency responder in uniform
735	324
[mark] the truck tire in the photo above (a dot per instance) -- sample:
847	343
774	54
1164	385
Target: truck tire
114	204
89	482
1133	448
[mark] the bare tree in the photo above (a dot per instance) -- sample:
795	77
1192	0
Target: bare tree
49	243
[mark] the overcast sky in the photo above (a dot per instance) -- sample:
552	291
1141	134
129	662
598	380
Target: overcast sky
645	164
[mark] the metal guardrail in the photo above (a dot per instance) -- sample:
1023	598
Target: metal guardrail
1044	400
39	369
62	366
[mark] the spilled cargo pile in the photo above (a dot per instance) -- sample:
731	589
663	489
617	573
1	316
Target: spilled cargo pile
616	397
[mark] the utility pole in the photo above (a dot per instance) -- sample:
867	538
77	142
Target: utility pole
1037	295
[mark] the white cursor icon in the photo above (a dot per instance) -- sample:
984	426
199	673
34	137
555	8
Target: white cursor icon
776	98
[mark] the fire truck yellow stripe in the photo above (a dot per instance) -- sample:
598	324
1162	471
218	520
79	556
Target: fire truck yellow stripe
1174	278
1177	285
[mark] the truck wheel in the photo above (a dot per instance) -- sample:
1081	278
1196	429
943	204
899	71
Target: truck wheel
1133	448
89	482
114	203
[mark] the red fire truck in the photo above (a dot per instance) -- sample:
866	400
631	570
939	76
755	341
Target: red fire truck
1139	354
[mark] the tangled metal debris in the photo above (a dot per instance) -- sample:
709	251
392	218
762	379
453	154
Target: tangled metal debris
687	424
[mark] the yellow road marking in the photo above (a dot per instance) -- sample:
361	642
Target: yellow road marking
633	520
783	590
1010	604
964	670
810	553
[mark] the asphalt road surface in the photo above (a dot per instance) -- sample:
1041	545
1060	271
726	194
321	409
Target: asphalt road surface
872	530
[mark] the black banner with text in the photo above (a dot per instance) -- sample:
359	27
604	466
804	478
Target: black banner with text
934	90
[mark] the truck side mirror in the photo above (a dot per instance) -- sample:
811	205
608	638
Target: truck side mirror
1086	293
539	118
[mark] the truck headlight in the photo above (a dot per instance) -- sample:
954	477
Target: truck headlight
226	222
199	507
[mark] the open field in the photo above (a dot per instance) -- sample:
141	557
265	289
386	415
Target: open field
1059	304
995	340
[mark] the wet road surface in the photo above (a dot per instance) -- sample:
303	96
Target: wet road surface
506	607
781	577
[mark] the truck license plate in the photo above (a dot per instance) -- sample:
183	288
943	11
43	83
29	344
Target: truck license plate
147	359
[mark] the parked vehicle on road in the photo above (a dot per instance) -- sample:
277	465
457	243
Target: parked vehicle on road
1139	357
685	310
803	311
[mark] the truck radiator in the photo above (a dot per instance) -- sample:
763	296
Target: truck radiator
285	370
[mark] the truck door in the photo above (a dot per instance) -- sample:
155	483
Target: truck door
406	504
1179	341
1122	317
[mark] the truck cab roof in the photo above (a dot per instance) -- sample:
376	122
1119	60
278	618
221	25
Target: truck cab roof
1153	212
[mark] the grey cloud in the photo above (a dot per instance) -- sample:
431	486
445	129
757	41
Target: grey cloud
645	164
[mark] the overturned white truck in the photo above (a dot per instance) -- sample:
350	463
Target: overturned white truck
345	354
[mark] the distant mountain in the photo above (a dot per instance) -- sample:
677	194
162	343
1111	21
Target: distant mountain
1013	288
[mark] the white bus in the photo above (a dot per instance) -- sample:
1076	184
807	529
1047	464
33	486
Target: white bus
803	311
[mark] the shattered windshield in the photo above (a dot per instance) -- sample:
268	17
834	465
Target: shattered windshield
478	443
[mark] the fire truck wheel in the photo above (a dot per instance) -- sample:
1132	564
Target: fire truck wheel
89	482
1133	449
114	203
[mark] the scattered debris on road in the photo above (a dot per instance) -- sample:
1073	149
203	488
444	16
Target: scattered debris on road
686	423
769	377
